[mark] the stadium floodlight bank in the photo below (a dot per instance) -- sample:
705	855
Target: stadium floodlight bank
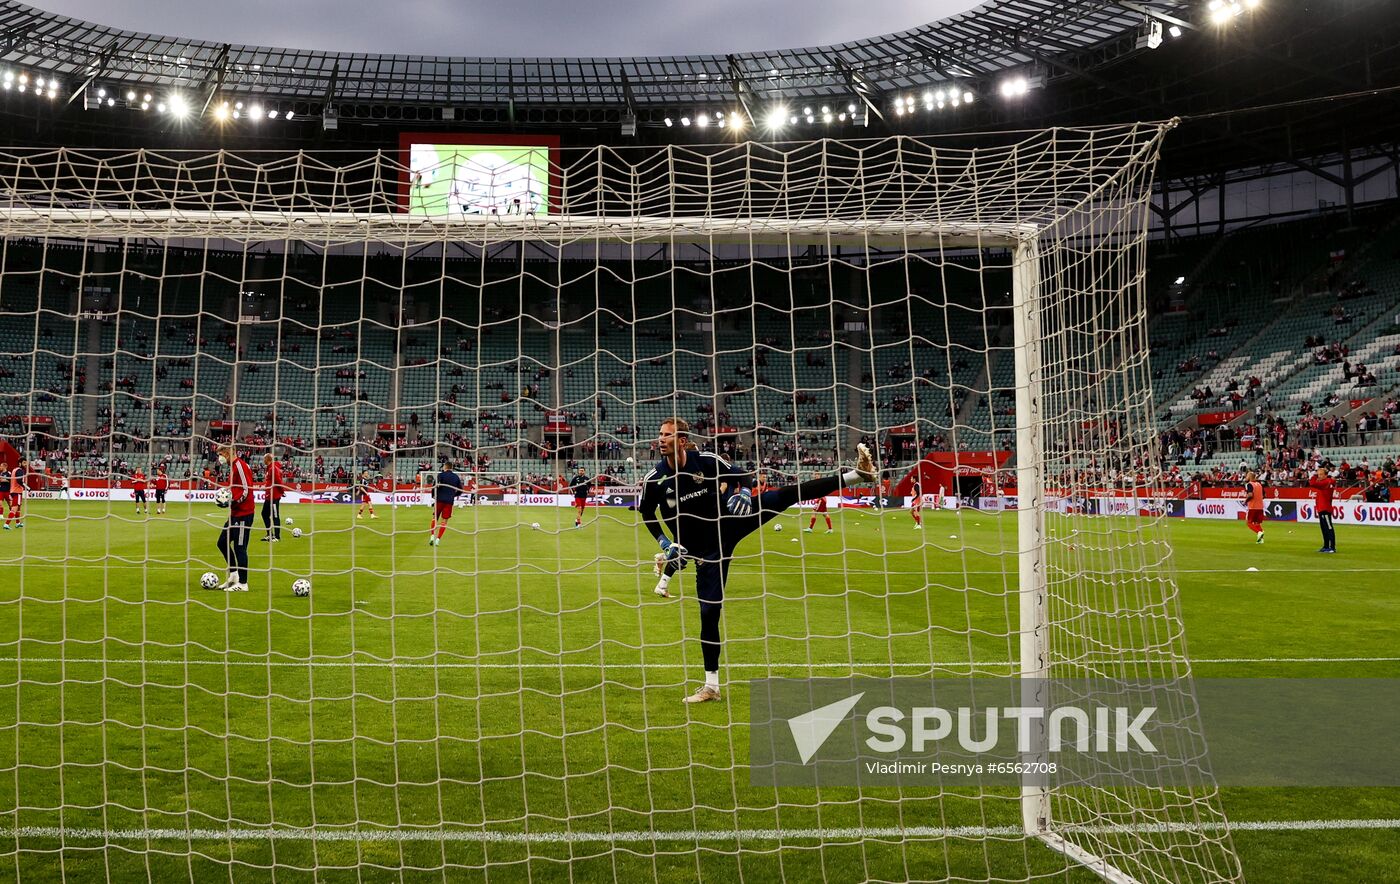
790	299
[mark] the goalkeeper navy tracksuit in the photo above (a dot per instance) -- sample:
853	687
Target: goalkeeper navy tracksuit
693	502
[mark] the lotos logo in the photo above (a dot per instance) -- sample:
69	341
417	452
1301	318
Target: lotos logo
1389	514
1210	509
1305	511
92	493
1361	514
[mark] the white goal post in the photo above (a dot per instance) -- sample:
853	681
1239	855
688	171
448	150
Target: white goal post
971	301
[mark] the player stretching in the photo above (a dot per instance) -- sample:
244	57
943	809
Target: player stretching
581	486
17	483
138	485
917	504
449	485
1254	505
819	511
234	536
272	501
6	483
160	482
707	506
361	493
1324	486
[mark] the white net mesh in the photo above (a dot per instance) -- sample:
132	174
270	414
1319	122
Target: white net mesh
507	702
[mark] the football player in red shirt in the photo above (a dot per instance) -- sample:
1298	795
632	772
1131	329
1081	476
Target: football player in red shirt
233	538
161	482
272	501
19	479
819	511
1323	487
1254	505
138	484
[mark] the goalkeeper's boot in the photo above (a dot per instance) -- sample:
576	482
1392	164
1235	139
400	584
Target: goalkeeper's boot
7	528
807	530
230	583
432	541
373	516
703	694
238	587
1260	538
865	464
359	515
831	531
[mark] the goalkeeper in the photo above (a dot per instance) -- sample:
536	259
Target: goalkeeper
709	507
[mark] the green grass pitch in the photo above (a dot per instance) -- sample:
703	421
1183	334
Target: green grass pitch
525	682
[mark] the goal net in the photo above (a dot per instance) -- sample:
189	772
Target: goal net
498	694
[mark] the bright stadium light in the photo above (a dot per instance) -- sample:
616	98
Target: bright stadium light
967	97
685	121
272	115
702	120
1015	87
1175	31
179	108
255	112
826	118
667	121
221	112
101	93
737	122
130	95
777	117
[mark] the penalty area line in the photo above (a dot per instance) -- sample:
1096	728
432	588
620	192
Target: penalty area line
371	835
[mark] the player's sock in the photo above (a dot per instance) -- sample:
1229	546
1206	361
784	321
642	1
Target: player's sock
442	529
712	679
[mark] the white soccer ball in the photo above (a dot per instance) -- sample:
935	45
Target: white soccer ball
223	497
301	588
778	526
209	580
291	521
535	526
296	532
630	461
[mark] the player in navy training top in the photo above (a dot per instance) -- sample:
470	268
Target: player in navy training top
708	506
581	485
445	492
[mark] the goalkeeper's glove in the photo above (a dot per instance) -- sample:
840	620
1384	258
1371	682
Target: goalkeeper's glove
741	502
675	554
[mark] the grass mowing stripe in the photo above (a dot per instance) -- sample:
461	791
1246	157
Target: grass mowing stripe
759	667
645	837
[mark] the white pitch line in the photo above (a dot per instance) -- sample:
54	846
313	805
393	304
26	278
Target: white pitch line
741	836
760	667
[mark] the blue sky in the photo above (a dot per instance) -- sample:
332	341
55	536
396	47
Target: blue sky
516	27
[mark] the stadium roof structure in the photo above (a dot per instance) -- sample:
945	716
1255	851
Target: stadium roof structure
973	47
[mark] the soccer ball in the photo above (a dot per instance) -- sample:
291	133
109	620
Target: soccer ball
777	526
209	580
291	521
223	497
296	532
630	461
301	588
535	526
